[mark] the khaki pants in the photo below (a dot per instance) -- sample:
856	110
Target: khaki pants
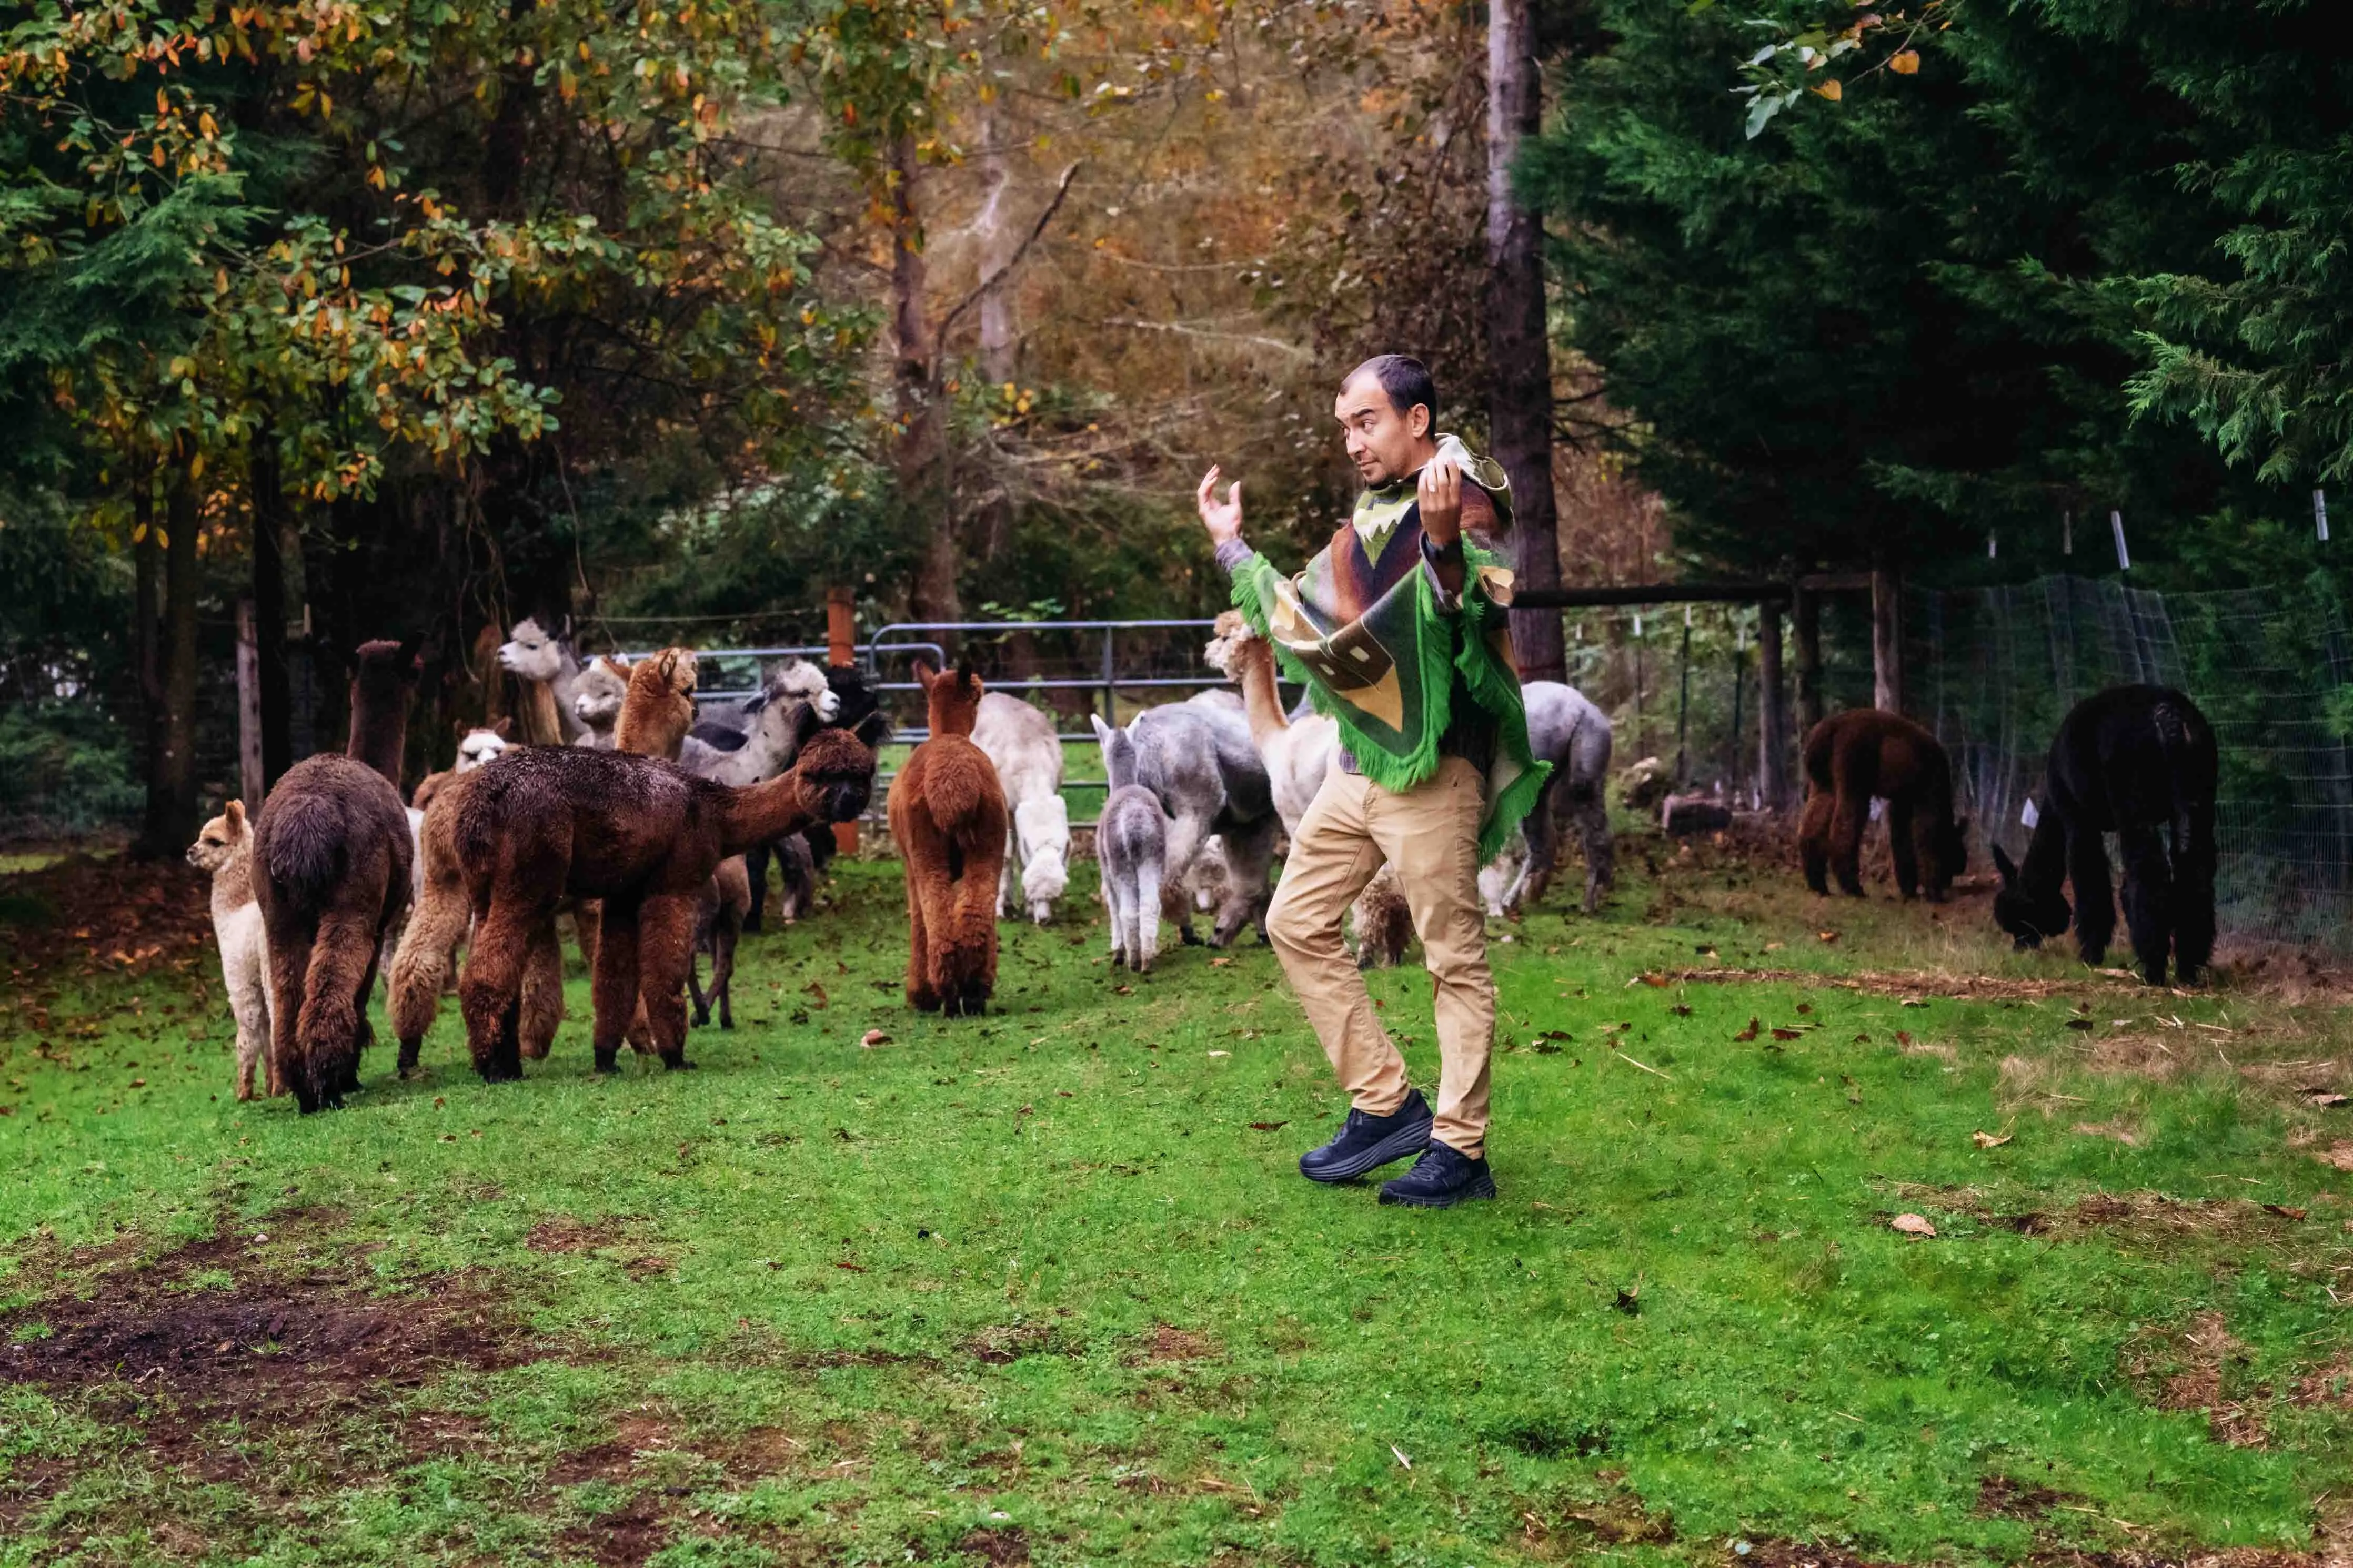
1430	834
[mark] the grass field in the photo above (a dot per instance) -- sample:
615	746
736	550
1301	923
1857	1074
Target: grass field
1045	1287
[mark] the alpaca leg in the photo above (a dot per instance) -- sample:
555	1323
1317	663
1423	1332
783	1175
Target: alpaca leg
1119	894
490	993
1250	860
1184	837
290	958
723	966
2148	900
922	995
701	1011
1814	840
1005	875
542	993
755	871
665	951
248	1002
342	963
976	903
420	966
2095	906
1901	848
614	985
1849	814
1542	835
2193	893
1591	812
942	926
1144	906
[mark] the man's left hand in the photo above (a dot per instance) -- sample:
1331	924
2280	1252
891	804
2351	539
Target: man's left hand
1440	497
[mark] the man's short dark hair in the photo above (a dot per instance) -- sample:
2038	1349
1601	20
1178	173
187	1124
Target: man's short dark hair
1405	380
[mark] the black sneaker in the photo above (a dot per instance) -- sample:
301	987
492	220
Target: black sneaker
1441	1178
1365	1141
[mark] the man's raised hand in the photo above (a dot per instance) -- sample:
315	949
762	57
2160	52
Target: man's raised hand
1223	519
1439	495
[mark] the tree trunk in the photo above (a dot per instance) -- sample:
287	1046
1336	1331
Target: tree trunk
998	332
147	554
921	457
251	785
171	787
1519	399
1808	630
273	696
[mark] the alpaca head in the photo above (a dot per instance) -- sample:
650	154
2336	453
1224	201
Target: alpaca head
797	679
659	709
1043	828
836	773
384	674
2028	914
533	653
1227	649
951	699
855	701
597	694
1118	752
477	745
222	839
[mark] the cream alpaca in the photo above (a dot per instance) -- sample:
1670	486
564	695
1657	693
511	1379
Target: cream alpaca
225	850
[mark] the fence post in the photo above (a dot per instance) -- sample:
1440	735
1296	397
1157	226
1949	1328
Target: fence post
1772	742
1808	607
1682	707
1110	692
251	779
1887	641
841	651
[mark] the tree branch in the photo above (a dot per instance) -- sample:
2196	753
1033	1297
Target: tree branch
993	279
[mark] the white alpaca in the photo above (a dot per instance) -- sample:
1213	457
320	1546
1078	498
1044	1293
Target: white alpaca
1021	743
546	661
225	849
1299	752
596	700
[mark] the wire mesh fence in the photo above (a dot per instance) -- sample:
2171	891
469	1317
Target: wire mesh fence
1993	670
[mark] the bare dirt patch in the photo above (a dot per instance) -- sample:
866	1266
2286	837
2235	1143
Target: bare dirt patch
2138	1217
1005	1343
231	1328
1169	1343
2005	1497
568	1233
105	916
1008	1545
1906	984
627	1537
2196	1368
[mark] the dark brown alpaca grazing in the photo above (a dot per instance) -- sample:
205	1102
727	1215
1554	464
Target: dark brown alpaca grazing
641	835
719	914
1861	754
330	871
947	814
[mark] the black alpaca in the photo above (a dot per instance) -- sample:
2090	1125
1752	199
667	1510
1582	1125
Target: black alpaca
2131	760
859	713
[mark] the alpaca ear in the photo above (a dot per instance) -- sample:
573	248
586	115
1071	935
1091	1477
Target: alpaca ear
1103	733
235	812
2001	863
874	731
925	675
461	727
504	728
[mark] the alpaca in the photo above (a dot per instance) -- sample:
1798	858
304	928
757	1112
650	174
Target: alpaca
1020	741
763	747
1568	731
1199	760
1131	844
948	817
550	670
597	699
640	834
855	708
225	850
658	708
1860	754
1298	753
476	745
332	849
719	914
1211	882
2135	760
796	881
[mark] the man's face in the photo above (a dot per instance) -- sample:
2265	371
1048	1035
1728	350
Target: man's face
1385	445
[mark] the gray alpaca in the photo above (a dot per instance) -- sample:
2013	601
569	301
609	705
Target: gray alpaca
1132	845
1568	731
1199	761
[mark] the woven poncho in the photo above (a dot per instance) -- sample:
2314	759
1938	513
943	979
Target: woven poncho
1362	629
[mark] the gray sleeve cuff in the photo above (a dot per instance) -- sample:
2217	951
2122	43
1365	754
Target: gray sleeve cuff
1232	553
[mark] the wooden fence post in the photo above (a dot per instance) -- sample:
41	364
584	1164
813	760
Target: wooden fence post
252	779
842	651
1772	735
1887	641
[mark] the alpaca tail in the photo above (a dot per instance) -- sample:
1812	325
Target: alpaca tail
1143	937
957	794
305	858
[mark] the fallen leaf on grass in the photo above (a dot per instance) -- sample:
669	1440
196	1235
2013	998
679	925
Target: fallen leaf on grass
1221	1053
1220	963
1785	1034
1984	1139
1651	979
1400	1455
815	991
1805	1006
1124	990
2079	1024
1749	1033
852	1268
1827	935
873	1038
1912	1224
1268	1126
1680	1010
1914	1002
2285	1211
2323	1098
1773	946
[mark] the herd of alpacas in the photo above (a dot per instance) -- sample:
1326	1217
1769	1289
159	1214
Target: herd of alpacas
654	829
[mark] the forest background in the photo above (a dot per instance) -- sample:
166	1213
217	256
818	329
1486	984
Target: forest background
410	320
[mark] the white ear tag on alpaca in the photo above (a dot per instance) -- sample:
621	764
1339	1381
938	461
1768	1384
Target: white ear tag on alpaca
2027	815
1878	806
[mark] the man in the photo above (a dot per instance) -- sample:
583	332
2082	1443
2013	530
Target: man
1398	630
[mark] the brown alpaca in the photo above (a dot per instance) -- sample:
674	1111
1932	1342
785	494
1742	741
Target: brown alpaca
719	914
642	835
332	865
947	814
658	708
1860	754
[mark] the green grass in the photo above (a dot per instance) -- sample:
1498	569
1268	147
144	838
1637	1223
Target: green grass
1047	1287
